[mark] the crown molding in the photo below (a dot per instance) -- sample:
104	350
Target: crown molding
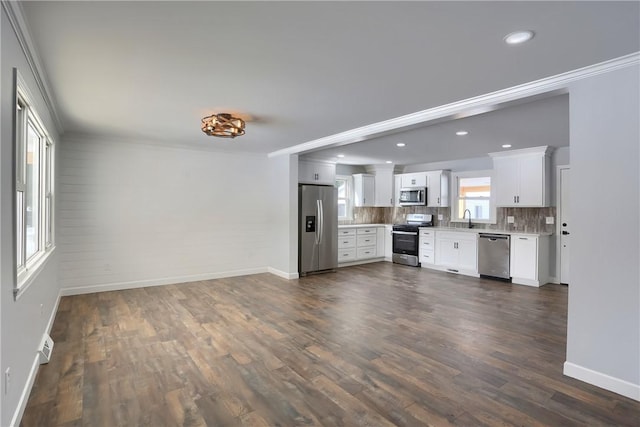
541	88
21	29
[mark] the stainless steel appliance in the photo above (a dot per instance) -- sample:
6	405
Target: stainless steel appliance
493	255
318	229
413	196
405	239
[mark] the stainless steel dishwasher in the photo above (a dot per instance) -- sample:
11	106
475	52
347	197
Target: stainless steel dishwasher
493	255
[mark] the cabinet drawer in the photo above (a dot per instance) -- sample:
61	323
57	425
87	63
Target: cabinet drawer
346	255
364	240
368	252
427	257
427	243
362	231
346	232
430	234
346	242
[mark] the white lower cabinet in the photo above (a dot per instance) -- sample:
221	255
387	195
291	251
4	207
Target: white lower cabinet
360	244
457	252
388	242
529	263
427	245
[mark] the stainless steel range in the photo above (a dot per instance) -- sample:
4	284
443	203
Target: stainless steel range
405	239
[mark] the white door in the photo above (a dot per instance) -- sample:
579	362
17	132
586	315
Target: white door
565	225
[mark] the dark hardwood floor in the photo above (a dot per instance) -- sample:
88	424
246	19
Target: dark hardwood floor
373	345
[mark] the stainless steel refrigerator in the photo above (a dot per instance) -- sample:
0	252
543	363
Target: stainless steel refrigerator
317	229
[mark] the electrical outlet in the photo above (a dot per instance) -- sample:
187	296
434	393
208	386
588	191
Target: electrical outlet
440	217
511	220
7	380
550	220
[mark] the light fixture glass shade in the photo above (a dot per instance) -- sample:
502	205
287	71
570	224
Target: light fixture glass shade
223	125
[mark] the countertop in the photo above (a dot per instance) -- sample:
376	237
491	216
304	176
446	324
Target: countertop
464	230
486	230
361	225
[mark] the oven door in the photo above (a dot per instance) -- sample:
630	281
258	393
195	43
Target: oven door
405	242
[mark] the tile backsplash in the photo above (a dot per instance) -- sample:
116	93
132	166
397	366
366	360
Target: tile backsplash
526	220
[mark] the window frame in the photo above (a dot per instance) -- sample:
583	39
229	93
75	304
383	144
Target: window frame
25	116
348	198
455	196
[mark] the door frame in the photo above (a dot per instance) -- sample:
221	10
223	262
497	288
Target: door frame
559	169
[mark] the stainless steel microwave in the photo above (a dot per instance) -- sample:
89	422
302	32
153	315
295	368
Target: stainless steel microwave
413	196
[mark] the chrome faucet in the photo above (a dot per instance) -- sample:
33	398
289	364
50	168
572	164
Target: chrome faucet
464	214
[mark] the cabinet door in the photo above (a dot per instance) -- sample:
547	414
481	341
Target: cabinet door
383	188
524	257
316	173
438	189
446	252
410	180
363	189
531	181
388	241
507	180
397	184
468	254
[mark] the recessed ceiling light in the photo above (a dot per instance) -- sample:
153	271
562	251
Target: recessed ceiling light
388	161
518	37
401	144
506	145
462	133
341	155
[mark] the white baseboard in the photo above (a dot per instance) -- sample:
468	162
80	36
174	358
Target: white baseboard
283	274
526	282
78	290
607	382
358	262
26	391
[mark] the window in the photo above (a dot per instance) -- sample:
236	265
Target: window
345	207
473	192
34	186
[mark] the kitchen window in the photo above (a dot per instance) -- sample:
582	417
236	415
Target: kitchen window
34	153
473	192
344	184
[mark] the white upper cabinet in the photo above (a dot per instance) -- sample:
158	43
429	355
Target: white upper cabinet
411	180
384	188
320	173
363	190
438	188
522	177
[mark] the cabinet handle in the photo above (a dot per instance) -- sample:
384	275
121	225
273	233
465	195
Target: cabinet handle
518	197
391	201
438	200
523	238
514	199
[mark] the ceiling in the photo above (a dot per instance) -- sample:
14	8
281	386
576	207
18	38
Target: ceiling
300	71
531	124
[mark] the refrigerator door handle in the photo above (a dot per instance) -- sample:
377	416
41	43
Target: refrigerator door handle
317	239
321	221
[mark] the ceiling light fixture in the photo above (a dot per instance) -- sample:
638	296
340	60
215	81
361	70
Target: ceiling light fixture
341	155
518	37
506	145
401	144
223	125
388	161
462	133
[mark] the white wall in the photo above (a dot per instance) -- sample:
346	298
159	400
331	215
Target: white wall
22	322
283	215
136	214
603	334
476	163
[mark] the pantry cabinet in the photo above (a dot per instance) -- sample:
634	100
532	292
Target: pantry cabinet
522	177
